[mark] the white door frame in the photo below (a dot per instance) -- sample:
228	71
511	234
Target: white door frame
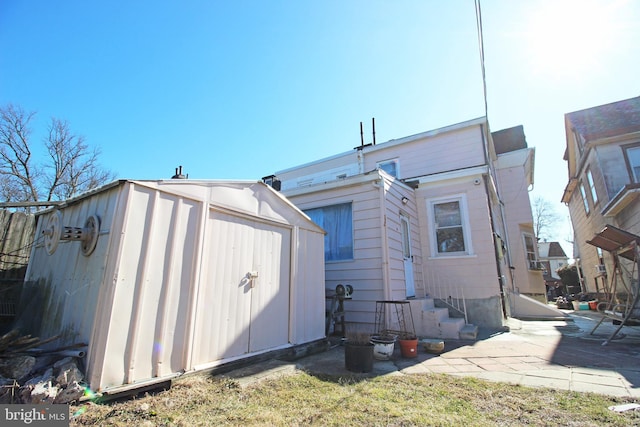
407	256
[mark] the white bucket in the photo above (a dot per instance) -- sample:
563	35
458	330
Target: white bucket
382	351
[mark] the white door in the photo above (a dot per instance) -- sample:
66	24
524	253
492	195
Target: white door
243	301
407	257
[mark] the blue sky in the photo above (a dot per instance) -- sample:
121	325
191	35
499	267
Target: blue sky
241	89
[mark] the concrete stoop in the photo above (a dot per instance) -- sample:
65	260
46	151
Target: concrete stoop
434	322
469	332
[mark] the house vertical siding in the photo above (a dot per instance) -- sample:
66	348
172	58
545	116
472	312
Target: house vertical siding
514	194
376	271
364	271
628	219
457	149
584	228
474	276
475	272
394	208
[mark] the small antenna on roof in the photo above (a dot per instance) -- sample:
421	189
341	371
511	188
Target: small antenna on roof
373	124
178	174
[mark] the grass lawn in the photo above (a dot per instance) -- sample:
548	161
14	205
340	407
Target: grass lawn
394	400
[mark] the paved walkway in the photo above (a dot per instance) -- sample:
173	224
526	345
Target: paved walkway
555	354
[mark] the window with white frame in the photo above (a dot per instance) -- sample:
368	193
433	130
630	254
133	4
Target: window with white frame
592	187
337	221
585	202
632	155
390	167
530	252
449	226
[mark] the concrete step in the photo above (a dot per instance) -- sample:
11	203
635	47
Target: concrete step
450	328
469	332
421	304
435	314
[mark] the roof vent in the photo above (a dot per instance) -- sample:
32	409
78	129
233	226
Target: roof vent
272	181
179	175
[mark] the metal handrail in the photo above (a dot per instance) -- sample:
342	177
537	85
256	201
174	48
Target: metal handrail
445	290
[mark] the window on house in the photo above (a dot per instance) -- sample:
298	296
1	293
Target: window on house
337	221
390	167
450	226
530	251
592	187
632	155
585	202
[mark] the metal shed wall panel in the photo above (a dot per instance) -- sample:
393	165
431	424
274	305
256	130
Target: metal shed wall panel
153	281
61	290
308	298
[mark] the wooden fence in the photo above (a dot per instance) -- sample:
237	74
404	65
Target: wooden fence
16	238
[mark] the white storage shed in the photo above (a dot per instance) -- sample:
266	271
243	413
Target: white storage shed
171	276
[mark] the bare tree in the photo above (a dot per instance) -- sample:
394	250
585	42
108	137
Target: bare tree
71	167
16	166
545	218
74	168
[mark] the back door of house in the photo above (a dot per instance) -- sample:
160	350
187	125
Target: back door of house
243	301
407	257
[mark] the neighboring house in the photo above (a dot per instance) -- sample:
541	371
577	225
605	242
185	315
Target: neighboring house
552	257
444	213
603	157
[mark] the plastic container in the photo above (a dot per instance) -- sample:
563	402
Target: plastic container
434	346
383	346
409	348
358	357
584	305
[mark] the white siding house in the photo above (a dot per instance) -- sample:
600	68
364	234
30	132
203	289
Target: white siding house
426	219
174	276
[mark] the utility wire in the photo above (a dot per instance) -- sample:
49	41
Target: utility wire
481	48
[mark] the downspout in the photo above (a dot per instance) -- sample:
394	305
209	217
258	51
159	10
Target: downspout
508	245
379	183
491	218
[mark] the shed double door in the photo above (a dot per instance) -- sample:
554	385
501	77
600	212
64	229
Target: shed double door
243	301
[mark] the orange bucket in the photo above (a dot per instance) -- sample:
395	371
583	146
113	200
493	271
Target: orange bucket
409	348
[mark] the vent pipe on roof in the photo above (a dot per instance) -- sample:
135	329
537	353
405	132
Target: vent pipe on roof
179	175
373	124
362	144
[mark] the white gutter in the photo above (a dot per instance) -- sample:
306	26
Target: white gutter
456	174
330	185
